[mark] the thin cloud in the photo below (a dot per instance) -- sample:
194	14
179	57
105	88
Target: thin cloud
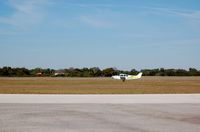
93	22
193	15
26	13
7	32
99	5
89	5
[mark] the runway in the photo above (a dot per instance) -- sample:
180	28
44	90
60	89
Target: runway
100	98
80	113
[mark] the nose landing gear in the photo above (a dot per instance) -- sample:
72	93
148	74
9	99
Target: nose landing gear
123	79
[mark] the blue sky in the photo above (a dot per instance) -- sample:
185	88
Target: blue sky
100	33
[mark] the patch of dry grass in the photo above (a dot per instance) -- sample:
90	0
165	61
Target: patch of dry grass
146	85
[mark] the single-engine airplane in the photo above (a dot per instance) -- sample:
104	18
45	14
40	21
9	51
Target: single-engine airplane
124	77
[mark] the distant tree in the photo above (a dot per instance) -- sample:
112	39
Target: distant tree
48	72
6	71
193	72
161	72
21	72
170	72
86	72
146	72
36	71
133	72
109	72
182	72
95	72
153	72
76	73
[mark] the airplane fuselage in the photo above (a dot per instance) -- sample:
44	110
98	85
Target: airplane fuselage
124	77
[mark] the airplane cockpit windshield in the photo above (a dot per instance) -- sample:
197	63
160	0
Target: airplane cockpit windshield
123	75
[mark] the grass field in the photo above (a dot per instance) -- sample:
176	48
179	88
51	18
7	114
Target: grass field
146	85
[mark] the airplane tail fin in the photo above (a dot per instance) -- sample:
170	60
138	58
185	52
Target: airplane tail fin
139	75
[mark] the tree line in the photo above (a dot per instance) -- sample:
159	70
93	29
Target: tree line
92	72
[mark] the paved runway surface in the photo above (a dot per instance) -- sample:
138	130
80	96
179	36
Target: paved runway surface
100	98
99	117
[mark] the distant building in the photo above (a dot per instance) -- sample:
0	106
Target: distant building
59	73
39	74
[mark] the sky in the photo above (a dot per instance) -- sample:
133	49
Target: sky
126	34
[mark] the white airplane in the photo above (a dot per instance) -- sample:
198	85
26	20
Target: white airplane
124	77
